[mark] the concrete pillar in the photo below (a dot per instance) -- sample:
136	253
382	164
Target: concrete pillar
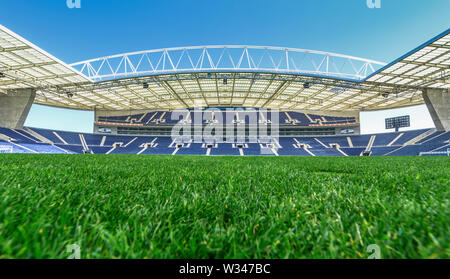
438	103
15	106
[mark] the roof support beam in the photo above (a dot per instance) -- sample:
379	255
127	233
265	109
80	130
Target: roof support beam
174	94
277	93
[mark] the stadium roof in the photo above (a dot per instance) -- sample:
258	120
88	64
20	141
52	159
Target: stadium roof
428	65
241	76
26	65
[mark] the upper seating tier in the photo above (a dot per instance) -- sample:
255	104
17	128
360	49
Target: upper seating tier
220	116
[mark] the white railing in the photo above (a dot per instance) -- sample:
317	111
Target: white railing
227	58
430	153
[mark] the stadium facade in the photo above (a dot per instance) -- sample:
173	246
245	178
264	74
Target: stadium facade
224	100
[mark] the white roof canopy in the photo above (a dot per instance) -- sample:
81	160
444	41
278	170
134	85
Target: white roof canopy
426	66
25	65
167	83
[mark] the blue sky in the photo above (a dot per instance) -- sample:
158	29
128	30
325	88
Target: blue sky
104	27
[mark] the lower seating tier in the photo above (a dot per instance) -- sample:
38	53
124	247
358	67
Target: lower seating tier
60	142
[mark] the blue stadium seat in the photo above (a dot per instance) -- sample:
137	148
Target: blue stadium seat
319	146
225	149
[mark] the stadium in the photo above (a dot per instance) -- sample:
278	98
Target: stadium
225	100
230	132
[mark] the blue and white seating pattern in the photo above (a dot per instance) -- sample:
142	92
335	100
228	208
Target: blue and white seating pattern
218	116
62	142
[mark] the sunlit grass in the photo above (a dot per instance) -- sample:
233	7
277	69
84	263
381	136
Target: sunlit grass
223	207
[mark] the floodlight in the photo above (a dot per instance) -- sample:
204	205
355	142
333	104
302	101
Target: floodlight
398	122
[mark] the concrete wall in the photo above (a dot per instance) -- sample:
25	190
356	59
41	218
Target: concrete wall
438	103
15	106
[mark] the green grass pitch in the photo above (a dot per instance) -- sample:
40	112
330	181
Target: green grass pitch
223	207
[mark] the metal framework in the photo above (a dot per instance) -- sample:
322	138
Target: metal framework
426	66
228	58
258	90
234	76
24	65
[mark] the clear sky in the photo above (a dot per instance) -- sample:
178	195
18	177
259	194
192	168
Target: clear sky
106	27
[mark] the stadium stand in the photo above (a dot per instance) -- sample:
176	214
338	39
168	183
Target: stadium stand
326	152
289	147
17	135
380	151
224	149
384	139
353	151
388	144
13	148
100	149
69	138
289	118
436	138
409	136
192	149
92	140
74	149
48	134
360	141
256	149
307	127
340	141
162	147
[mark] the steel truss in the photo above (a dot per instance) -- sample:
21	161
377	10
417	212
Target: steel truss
232	76
278	96
228	58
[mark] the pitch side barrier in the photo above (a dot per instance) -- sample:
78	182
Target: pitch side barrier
6	149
